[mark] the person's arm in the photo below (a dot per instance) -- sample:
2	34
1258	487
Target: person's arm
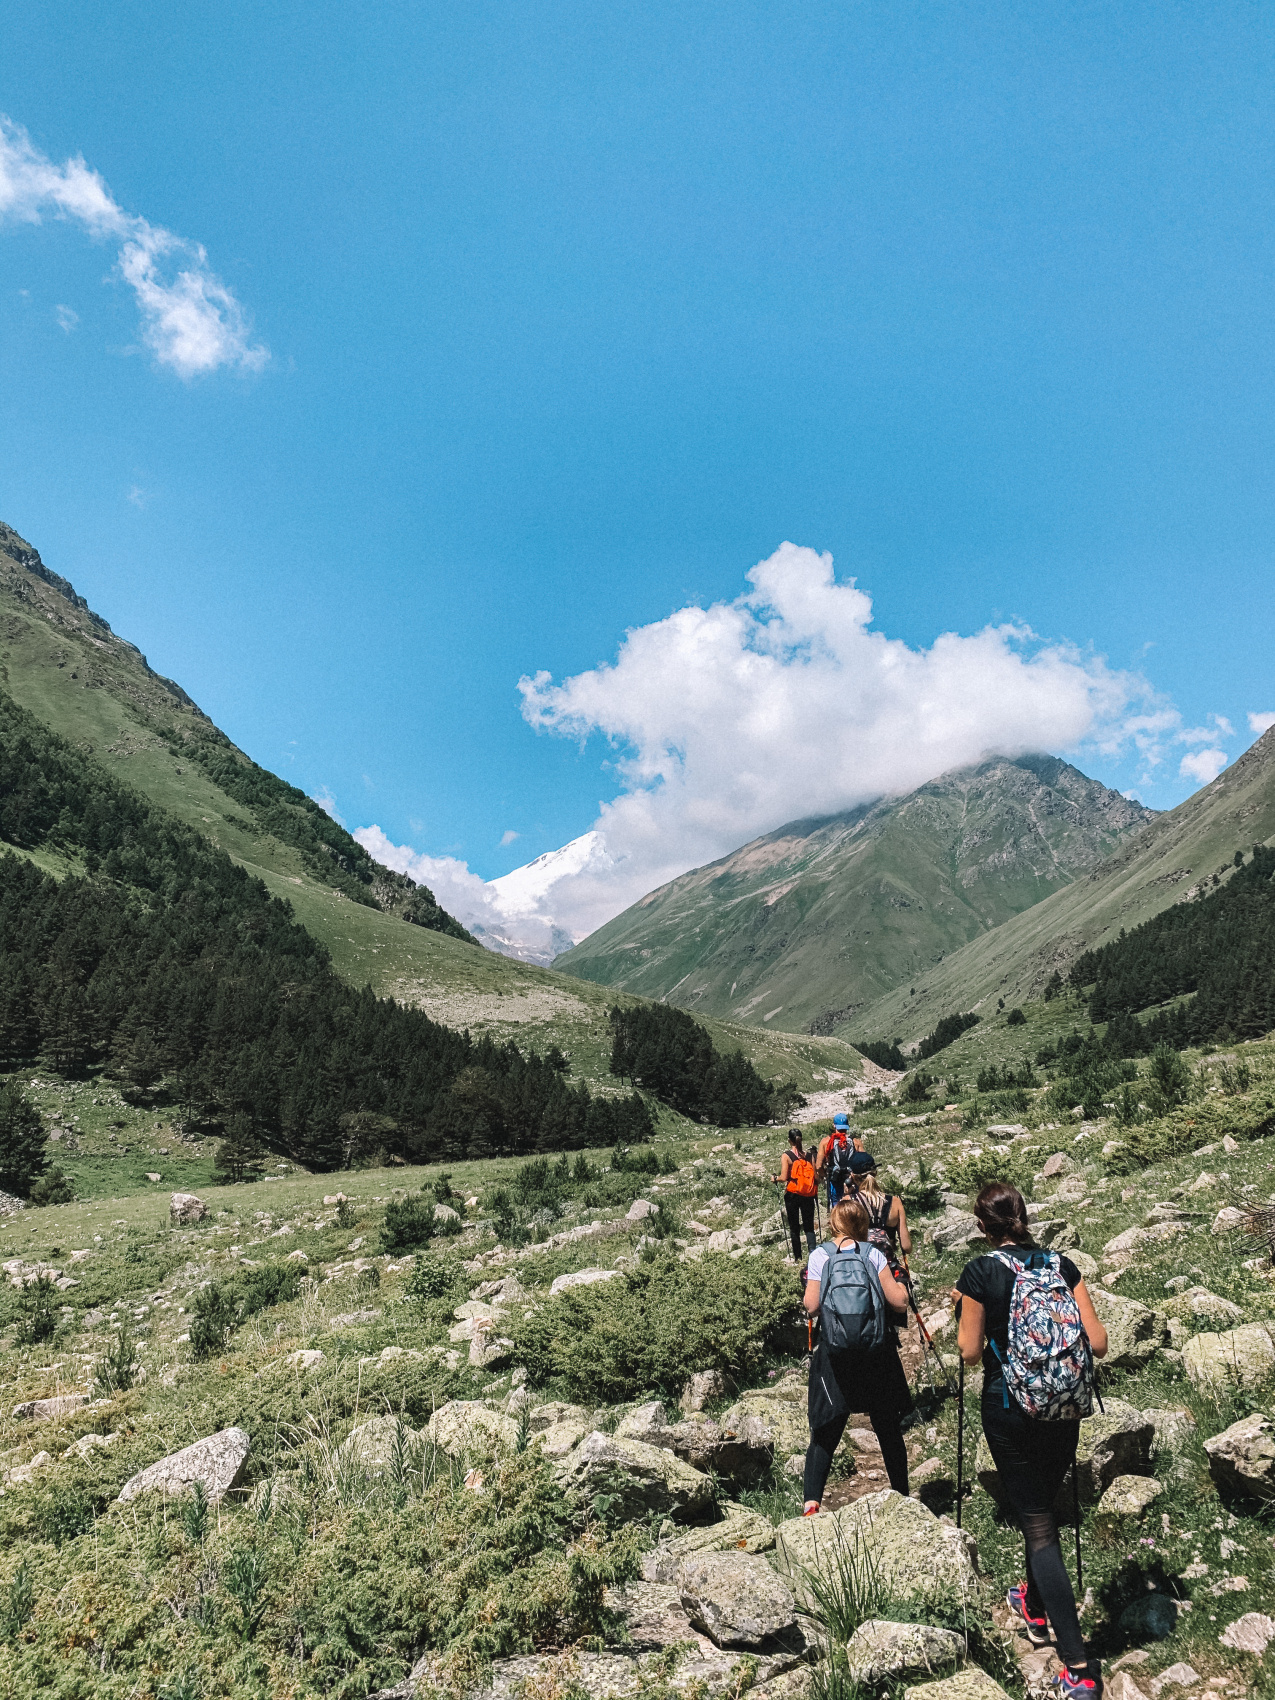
821	1156
971	1331
811	1298
1089	1317
900	1223
785	1168
896	1294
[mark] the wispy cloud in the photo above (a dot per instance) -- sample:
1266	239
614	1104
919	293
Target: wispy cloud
507	838
1260	721
191	322
67	317
137	496
327	802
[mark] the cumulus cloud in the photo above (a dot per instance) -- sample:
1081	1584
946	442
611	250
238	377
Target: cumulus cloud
190	321
1202	765
1260	722
507	838
728	721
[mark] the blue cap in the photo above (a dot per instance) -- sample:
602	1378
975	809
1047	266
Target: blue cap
842	1120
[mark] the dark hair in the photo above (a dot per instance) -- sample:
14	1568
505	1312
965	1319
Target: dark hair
1001	1213
794	1137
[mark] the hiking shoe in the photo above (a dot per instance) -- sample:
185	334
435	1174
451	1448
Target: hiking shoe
1037	1627
1078	1682
810	1511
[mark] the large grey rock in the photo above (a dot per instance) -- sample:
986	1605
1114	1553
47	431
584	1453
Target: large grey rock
740	1530
467	1425
1199	1305
372	1446
1251	1633
184	1208
1114	1442
739	1452
1242	1357
968	1684
916	1556
1242	1457
561	1438
879	1651
1125	1501
1056	1234
41	1410
1174	1431
582	1278
1134	1330
702	1389
958	1227
555	1412
783	1419
642	1478
217	1461
734	1598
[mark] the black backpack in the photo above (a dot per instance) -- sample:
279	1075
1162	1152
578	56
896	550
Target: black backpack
839	1154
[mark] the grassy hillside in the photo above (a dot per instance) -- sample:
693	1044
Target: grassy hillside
1166	863
63	664
807	925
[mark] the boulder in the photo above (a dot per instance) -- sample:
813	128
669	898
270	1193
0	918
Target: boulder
306	1358
1242	1457
445	1213
548	1416
330	1198
701	1389
1199	1305
916	1556
1134	1330
582	1278
1174	1430
641	1210
734	1598
642	1478
1251	1633
1227	1220
880	1651
467	1425
1151	1617
184	1208
371	1447
738	1452
217	1461
1114	1442
740	1530
41	1410
1127	1498
1073	1190
784	1420
21	1475
1057	1164
1242	1357
958	1227
89	1443
1056	1234
560	1438
968	1684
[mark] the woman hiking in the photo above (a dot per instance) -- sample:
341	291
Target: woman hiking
1008	1301
887	1219
856	1366
797	1177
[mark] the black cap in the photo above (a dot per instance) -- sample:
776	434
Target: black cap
863	1163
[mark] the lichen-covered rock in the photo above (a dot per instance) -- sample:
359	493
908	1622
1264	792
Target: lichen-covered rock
549	1415
784	1419
701	1389
1057	1234
640	1478
1241	1357
1199	1305
740	1530
41	1410
217	1461
582	1278
559	1438
1251	1633
372	1446
916	1556
734	1598
968	1684
467	1425
879	1650
1134	1330
1174	1431
1127	1498
958	1227
1242	1457
184	1208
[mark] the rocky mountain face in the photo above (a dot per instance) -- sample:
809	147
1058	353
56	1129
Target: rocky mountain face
808	925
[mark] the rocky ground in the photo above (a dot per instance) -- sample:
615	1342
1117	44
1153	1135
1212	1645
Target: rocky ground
481	1466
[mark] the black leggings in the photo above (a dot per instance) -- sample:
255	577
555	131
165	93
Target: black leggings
801	1214
886	1425
1032	1460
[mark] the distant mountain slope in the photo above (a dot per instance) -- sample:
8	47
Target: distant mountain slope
809	924
63	663
1166	863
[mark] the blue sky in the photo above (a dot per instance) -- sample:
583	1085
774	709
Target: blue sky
574	314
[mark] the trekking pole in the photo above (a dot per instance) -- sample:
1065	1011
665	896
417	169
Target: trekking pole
1075	1508
960	1429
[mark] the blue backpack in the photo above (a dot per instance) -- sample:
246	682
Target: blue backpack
1048	1366
852	1308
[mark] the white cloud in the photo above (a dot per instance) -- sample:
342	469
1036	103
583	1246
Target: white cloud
1218	727
1202	765
327	802
1260	722
507	838
137	496
190	321
730	720
67	317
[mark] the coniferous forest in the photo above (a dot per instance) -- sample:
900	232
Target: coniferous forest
1220	948
666	1051
169	965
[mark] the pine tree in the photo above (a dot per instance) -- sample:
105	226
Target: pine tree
240	1155
23	1143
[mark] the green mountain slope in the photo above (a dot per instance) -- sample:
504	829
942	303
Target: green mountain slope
63	663
811	923
1166	863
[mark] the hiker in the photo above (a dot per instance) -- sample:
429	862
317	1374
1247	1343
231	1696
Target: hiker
1028	1315
887	1219
833	1161
856	1366
797	1177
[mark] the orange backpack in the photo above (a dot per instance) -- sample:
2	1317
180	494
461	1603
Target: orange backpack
801	1178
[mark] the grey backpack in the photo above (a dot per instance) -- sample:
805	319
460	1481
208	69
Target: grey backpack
852	1308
